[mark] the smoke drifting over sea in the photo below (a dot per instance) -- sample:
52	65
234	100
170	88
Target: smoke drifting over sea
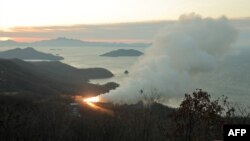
180	53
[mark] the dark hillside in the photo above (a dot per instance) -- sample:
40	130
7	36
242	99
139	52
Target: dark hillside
45	78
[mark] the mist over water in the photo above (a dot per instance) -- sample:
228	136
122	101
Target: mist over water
181	59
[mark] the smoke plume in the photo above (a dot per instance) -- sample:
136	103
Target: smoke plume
193	45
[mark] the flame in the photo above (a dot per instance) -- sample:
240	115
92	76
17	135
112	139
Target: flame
92	99
91	102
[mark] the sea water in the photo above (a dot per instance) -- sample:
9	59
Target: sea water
89	57
230	78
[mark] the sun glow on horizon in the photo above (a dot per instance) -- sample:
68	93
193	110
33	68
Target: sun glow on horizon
5	38
93	20
69	12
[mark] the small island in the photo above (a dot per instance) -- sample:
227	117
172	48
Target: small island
28	54
123	52
126	72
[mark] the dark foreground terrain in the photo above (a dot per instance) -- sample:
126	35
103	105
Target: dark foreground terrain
53	119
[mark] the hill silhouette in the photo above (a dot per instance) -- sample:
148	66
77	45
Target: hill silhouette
67	42
49	78
28	54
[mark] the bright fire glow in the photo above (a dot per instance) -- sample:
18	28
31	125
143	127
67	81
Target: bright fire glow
92	99
91	102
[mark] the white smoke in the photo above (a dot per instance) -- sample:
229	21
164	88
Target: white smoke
191	46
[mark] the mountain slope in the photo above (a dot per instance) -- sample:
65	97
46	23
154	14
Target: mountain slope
41	79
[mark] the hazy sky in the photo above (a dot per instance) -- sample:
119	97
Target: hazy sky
26	13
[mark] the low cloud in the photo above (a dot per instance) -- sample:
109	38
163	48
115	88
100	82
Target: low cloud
142	31
126	32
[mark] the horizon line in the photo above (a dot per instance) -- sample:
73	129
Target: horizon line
118	23
91	41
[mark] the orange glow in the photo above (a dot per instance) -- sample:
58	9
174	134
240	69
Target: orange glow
95	107
92	99
4	38
91	103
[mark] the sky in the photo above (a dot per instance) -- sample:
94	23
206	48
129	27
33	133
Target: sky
27	14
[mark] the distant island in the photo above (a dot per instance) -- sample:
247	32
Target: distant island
123	52
28	54
67	42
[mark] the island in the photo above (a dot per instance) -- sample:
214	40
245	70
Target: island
29	53
123	52
126	72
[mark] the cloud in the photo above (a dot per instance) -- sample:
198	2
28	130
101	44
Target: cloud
180	52
141	31
134	32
